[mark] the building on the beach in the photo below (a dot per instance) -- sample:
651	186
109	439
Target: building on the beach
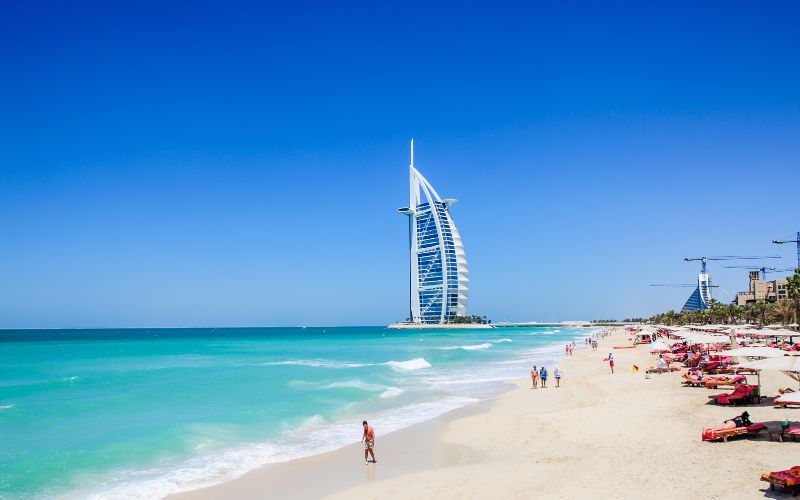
438	276
759	289
701	296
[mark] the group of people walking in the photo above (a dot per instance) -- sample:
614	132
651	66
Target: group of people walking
540	376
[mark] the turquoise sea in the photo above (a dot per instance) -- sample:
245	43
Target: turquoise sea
141	413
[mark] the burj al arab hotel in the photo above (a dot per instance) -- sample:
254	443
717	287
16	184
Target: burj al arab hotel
439	279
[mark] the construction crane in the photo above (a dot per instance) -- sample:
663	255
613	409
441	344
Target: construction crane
796	240
764	270
701	297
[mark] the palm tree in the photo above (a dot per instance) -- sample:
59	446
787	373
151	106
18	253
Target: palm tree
671	317
760	310
749	312
785	309
793	292
734	313
717	311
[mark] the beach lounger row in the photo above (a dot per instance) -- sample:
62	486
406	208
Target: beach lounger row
694	378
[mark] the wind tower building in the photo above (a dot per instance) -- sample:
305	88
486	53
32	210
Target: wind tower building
439	278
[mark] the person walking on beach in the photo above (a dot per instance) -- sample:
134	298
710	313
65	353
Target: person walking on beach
543	377
369	442
557	375
534	376
610	360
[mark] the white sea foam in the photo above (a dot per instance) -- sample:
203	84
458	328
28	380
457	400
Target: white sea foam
70	379
355	384
5	407
310	423
385	390
410	365
477	347
316	363
391	392
502	341
464	380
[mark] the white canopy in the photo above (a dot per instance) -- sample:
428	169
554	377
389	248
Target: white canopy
754	352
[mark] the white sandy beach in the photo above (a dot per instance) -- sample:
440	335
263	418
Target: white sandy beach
624	435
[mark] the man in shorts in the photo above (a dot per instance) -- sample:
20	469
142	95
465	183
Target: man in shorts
543	377
369	442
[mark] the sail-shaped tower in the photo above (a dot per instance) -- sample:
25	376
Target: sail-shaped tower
701	296
439	277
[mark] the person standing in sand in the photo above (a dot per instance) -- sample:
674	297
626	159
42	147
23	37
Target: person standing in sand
534	376
543	377
557	375
610	360
369	442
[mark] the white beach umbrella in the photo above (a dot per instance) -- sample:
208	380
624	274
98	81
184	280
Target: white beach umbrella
659	346
753	331
699	338
783	333
788	364
789	398
754	352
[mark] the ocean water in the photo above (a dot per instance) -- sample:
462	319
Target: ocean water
144	413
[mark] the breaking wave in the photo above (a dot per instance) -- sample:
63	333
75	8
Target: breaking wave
316	363
410	365
477	347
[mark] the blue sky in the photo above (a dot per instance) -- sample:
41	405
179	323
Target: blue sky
198	163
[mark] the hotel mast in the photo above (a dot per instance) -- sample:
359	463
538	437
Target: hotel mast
439	277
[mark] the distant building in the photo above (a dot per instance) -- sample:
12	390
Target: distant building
770	291
701	296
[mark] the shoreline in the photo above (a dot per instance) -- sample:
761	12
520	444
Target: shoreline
412	449
628	434
417	447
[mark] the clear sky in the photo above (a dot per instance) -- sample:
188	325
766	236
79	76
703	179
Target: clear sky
225	164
